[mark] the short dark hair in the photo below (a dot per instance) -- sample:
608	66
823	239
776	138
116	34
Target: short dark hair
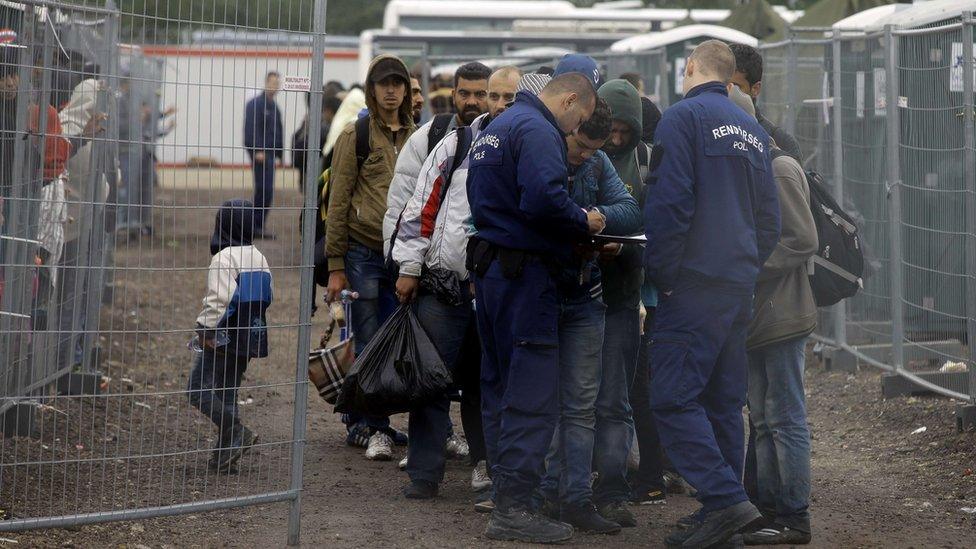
572	82
472	71
331	104
633	78
270	74
546	70
599	125
748	61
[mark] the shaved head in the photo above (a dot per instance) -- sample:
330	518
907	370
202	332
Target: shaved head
714	58
571	99
501	89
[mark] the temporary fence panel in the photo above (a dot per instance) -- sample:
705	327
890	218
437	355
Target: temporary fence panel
106	259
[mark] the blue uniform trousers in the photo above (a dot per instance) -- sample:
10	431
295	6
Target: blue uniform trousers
264	174
517	320
698	371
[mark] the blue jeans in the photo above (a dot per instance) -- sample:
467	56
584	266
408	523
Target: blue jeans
264	173
614	418
212	388
777	408
368	275
430	425
569	463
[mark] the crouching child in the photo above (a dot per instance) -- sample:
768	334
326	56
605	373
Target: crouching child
231	329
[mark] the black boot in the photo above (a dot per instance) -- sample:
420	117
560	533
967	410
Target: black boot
243	440
585	518
517	523
420	489
618	512
718	527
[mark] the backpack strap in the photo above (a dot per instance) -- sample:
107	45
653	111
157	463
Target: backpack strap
362	140
643	160
438	129
464	137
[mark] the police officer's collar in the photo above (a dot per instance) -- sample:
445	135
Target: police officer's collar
708	87
537	104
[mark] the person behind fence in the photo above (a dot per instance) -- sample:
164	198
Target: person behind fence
363	163
300	139
711	218
524	218
566	487
264	143
785	314
231	329
748	78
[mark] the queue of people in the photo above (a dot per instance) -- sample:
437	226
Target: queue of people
510	227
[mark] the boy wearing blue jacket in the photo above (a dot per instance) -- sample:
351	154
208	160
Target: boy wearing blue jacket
231	329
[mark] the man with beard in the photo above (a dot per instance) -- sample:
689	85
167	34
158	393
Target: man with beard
416	98
470	101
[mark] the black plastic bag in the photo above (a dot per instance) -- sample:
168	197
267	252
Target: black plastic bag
399	370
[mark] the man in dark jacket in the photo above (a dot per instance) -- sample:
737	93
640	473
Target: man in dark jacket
785	314
264	142
622	270
525	219
748	78
593	183
712	218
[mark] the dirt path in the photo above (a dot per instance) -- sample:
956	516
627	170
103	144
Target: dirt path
875	484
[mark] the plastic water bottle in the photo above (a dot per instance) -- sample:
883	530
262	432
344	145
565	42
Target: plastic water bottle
338	307
196	345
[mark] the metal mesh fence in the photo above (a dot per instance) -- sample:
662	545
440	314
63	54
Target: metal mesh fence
890	129
107	256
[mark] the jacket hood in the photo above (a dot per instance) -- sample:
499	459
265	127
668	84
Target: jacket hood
406	107
625	104
234	225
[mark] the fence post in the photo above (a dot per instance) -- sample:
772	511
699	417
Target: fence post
840	310
307	289
893	139
969	173
791	71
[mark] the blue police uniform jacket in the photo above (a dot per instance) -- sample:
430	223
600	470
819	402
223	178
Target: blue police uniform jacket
517	182
263	130
711	209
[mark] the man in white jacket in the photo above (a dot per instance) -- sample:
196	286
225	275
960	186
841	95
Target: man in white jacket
470	101
432	240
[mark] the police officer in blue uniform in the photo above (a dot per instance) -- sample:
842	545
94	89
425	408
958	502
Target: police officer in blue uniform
712	218
524	219
264	142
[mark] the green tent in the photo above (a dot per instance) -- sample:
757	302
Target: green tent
757	18
827	12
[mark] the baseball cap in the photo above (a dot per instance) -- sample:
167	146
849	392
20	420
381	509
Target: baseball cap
389	67
583	64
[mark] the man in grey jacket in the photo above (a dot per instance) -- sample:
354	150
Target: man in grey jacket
785	314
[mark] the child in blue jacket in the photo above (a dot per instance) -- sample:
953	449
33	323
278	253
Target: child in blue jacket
231	329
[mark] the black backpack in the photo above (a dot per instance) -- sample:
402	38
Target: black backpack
837	268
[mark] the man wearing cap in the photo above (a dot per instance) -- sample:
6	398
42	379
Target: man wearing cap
712	218
525	219
357	203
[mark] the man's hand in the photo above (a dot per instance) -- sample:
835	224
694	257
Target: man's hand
259	157
94	125
610	251
406	288
596	221
337	283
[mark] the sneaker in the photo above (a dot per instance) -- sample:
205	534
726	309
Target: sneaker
380	447
456	448
690	521
719	526
420	489
483	502
403	464
674	484
519	524
357	436
585	518
653	496
617	512
777	534
479	477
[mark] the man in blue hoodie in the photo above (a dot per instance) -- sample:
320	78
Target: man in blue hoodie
712	218
525	220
